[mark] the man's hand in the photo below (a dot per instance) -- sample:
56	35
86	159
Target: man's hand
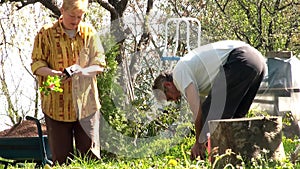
198	150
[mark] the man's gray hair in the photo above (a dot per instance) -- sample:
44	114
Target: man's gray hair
163	77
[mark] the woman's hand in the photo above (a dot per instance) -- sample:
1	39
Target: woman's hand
90	71
46	71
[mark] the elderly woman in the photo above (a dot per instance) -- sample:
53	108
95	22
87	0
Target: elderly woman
73	113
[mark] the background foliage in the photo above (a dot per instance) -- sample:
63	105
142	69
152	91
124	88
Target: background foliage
134	50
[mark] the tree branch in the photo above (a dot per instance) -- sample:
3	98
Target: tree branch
286	5
47	3
143	42
108	7
222	8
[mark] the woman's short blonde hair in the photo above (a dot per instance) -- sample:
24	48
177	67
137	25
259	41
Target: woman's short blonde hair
70	5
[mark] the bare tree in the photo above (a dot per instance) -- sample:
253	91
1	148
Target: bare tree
130	64
18	87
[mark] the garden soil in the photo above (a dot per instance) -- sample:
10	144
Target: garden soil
25	128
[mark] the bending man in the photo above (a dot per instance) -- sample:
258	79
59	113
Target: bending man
225	75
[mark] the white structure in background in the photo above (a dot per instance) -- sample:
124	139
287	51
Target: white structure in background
179	30
279	92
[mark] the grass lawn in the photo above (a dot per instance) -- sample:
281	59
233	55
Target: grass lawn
177	157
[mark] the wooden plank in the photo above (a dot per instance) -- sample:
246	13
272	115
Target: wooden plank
279	54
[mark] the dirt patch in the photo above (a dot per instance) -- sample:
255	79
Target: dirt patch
26	128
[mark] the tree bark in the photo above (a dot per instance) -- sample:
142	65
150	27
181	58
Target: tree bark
258	137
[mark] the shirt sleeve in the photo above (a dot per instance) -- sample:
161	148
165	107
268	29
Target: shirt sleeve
39	57
182	77
97	56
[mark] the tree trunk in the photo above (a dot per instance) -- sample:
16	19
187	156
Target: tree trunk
258	137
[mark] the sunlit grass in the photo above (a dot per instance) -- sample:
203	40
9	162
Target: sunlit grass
175	158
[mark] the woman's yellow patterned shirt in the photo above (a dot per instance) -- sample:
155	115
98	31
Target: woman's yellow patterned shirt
53	48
